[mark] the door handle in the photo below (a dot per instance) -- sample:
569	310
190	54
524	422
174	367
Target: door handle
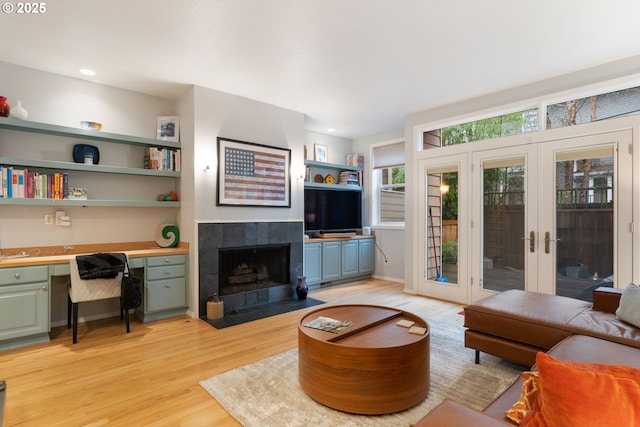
547	239
532	241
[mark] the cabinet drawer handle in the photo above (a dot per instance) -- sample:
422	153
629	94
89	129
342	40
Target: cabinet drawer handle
167	272
167	286
44	289
166	260
17	276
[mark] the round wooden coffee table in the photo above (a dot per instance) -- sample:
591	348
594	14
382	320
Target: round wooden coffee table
373	366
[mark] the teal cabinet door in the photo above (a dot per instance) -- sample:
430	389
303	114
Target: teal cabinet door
24	310
366	256
349	258
331	260
313	262
166	294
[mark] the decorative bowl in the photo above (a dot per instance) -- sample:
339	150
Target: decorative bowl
91	125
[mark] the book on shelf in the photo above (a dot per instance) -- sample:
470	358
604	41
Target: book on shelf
28	184
163	159
349	177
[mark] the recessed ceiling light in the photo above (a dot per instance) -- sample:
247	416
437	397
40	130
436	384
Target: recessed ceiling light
87	72
331	130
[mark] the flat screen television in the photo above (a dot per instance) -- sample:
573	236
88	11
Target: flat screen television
332	210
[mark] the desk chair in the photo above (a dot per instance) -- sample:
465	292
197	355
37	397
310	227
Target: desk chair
90	290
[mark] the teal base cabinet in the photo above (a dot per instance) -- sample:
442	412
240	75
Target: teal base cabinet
366	255
313	262
338	261
350	257
331	260
165	292
24	306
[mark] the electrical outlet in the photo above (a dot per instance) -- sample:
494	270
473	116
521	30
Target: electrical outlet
62	220
48	219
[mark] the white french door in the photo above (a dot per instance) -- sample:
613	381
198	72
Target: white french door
552	217
443	252
504	192
585	220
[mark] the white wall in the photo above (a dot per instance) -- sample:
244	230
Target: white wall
337	148
219	114
390	259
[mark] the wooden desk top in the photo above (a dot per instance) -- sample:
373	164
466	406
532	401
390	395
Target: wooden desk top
60	255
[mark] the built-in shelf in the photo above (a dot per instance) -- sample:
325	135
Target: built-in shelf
55	165
85	134
70	133
337	187
326	165
335	168
90	202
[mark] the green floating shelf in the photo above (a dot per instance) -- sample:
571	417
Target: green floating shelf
85	134
89	202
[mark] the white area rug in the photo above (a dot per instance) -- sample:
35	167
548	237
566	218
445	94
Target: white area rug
267	393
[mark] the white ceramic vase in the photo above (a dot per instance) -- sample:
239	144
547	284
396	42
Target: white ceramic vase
18	112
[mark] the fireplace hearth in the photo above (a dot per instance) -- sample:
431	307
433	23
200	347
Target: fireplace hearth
249	265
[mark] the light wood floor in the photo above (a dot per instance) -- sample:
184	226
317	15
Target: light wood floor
150	376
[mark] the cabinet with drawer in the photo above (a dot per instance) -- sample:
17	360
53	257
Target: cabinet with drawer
165	287
24	305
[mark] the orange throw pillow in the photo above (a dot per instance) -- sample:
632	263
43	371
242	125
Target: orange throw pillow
583	394
529	395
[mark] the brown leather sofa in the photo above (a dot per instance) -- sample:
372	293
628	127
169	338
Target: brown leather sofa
578	348
515	325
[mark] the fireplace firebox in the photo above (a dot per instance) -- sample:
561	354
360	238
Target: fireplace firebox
255	267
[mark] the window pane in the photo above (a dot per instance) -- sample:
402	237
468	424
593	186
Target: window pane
449	250
590	109
503	222
585	213
493	127
391	194
392	204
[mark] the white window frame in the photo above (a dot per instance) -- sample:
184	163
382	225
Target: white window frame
377	186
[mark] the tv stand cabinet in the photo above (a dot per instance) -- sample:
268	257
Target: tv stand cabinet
335	261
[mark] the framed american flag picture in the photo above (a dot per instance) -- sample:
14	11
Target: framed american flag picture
251	174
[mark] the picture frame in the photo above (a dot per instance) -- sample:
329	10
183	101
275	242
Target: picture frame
252	174
168	128
320	153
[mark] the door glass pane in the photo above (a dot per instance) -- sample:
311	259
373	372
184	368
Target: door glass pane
584	224
503	258
442	228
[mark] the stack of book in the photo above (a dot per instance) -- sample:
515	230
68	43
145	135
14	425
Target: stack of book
26	184
163	159
349	177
